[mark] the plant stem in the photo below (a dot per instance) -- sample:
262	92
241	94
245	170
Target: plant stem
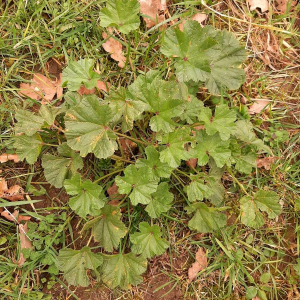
115	157
236	180
107	175
132	139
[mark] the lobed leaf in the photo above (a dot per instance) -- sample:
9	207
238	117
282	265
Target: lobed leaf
122	14
123	270
87	128
148	241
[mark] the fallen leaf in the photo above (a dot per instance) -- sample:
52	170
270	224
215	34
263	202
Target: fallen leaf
151	8
256	298
24	242
263	5
114	47
41	88
113	192
6	157
128	147
199	17
15	216
13	193
265	162
59	89
192	163
282	5
84	91
199	265
258	106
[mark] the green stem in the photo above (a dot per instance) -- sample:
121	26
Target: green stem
51	145
115	157
182	173
236	180
178	179
108	175
132	139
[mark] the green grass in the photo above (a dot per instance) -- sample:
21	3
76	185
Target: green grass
237	255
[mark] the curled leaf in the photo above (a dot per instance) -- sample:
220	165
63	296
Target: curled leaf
6	157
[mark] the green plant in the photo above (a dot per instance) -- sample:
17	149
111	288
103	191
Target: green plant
162	116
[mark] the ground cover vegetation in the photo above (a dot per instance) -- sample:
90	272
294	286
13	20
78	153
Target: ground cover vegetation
149	150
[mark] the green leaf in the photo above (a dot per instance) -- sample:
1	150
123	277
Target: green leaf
197	189
75	263
245	163
88	199
262	201
211	146
87	128
251	292
222	122
265	277
124	107
192	108
58	168
28	147
148	241
218	190
161	201
174	150
158	169
107	229
161	98
78	73
206	219
123	270
138	183
49	113
122	14
205	54
297	267
28	122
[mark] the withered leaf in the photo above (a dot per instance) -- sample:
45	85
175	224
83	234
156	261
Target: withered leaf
257	106
263	5
114	47
152	8
14	193
199	264
15	216
199	17
24	242
265	162
6	157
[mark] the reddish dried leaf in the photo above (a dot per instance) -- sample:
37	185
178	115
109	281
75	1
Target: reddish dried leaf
84	91
13	193
282	5
258	106
114	47
24	241
6	157
59	89
114	195
199	264
15	216
199	17
152	8
265	162
263	5
41	88
256	298
192	162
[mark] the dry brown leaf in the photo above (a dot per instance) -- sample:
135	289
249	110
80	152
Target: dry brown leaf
282	5
151	8
41	88
6	157
84	91
199	264
114	195
59	89
15	216
256	298
263	5
24	241
128	147
258	106
265	162
199	17
192	162
114	47
13	193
